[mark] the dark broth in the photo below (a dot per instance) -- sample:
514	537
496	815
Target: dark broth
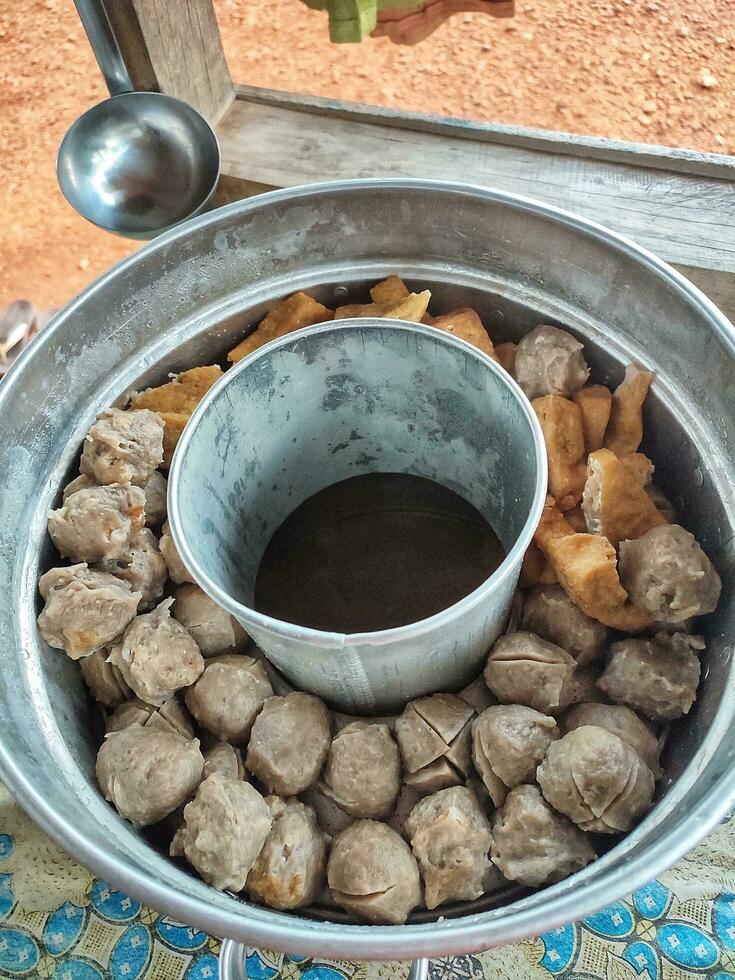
373	552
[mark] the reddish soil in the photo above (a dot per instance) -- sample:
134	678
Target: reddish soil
657	72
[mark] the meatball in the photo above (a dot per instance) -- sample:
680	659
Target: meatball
226	759
157	656
534	845
155	489
330	817
372	873
290	871
85	610
621	722
524	669
433	732
596	779
228	696
511	740
79	483
172	716
105	682
123	447
176	568
550	613
289	743
666	573
583	686
657	677
363	770
146	772
225	826
211	626
97	524
550	361
143	566
450	837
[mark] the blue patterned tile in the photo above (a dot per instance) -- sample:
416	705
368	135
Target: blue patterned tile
63	928
614	922
687	946
111	904
131	953
642	956
19	952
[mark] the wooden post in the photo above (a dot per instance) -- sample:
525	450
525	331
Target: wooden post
174	46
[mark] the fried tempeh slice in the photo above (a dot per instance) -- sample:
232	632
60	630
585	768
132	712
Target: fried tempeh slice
466	325
289	314
625	428
561	423
389	292
594	402
586	566
176	400
614	502
506	354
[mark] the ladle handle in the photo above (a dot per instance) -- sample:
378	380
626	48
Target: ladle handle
96	23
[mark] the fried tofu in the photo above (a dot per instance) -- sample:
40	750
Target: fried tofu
289	314
389	292
614	502
594	402
506	354
561	423
625	428
411	307
535	569
466	325
586	566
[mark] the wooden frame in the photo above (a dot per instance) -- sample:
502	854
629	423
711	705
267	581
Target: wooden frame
678	203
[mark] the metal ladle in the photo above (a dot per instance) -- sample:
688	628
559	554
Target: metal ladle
139	162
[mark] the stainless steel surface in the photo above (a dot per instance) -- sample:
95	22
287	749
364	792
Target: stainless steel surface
140	162
187	298
419	970
341	400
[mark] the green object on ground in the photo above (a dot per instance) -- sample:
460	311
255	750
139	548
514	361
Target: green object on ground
352	20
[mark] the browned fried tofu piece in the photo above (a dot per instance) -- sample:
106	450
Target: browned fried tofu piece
352	310
561	423
576	518
586	566
594	402
389	292
466	325
639	467
176	400
289	314
506	354
411	307
614	501
535	569
625	428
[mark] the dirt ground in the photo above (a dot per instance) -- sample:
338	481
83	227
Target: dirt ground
657	71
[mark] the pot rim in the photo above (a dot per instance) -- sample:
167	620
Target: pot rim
567	901
247	614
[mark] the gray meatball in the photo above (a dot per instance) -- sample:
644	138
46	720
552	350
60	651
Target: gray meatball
176	569
123	447
290	871
511	740
550	613
172	716
155	489
156	655
226	759
597	780
85	610
289	743
435	732
105	682
372	873
143	566
524	669
228	696
78	483
224	829
549	361
620	721
146	772
97	524
657	677
213	628
666	573
450	837
534	845
363	770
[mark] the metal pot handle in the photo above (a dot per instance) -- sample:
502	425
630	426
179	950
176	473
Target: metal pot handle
232	963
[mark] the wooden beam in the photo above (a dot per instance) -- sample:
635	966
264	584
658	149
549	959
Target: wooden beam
174	46
687	219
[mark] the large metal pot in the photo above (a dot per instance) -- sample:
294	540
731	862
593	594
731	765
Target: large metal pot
185	299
